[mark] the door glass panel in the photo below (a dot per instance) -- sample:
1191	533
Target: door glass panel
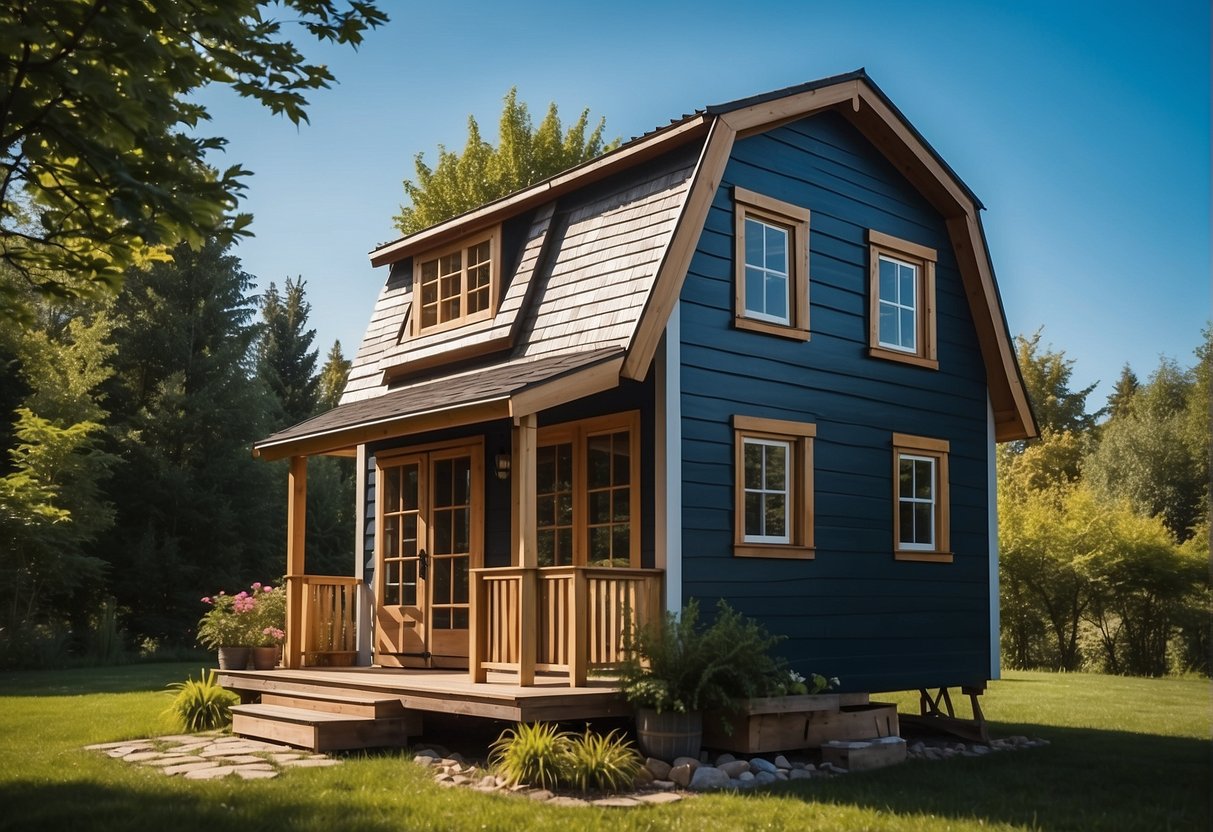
443	486
459	618
410	487
462	519
408	594
460	594
599	469
391	536
441	619
391	489
408	547
391	582
440	574
441	525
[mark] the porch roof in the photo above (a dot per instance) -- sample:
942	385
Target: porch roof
510	388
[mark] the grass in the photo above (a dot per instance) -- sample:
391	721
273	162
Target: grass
1126	754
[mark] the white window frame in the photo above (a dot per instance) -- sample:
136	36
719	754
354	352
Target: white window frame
935	451
793	221
769	273
797	440
914	501
788	493
898	304
884	247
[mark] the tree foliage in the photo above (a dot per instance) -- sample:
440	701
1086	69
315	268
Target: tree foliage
482	173
102	163
286	361
333	375
1046	375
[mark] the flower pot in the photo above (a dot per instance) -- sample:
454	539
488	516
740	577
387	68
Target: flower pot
233	658
266	658
668	736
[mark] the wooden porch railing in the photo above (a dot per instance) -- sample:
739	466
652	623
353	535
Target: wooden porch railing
321	620
566	619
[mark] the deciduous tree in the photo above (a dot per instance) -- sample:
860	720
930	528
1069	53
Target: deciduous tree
103	159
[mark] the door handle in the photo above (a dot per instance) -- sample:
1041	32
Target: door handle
423	564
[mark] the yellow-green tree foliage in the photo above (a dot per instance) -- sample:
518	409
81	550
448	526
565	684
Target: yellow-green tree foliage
482	173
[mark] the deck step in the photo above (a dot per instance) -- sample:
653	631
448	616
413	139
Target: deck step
348	703
321	731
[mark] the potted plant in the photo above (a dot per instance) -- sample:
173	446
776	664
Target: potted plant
226	627
678	669
269	626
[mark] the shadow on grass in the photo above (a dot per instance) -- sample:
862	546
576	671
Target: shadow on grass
126	678
97	808
1086	779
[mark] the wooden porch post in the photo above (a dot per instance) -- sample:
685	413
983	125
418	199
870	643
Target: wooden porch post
527	542
296	527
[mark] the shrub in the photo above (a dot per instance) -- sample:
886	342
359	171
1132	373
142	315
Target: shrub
536	754
252	618
604	762
680	666
202	704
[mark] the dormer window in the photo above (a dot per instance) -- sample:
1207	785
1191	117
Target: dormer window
458	284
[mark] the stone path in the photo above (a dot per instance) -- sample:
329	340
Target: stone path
212	755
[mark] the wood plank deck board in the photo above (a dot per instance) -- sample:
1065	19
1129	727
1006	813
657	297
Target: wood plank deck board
450	692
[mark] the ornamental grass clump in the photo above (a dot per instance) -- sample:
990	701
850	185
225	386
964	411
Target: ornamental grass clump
607	762
202	704
536	754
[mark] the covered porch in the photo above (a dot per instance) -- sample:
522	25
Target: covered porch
528	618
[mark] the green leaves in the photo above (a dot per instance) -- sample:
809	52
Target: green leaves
481	173
97	170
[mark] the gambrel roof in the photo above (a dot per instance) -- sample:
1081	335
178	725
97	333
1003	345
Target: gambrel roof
602	254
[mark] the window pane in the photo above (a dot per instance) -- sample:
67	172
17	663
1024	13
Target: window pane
600	543
754	295
924	479
440	571
753	242
905	468
444	484
776	467
888	324
905	518
924	517
429	291
753	465
441	619
408	595
391	489
429	316
463	523
753	514
391	583
908	330
776	249
599	474
460	570
478	253
907	276
621	502
777	296
888	280
545	514
600	507
545	470
391	538
621	471
545	542
443	536
621	543
564	508
408	547
564	466
410	487
452	263
776	515
459	619
564	547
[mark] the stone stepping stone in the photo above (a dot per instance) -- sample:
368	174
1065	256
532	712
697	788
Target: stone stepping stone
255	773
182	769
209	773
658	798
142	756
164	762
311	763
616	802
241	759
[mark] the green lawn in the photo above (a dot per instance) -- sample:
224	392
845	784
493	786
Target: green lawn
1126	754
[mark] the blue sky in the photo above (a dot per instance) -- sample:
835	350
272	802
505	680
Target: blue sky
1083	127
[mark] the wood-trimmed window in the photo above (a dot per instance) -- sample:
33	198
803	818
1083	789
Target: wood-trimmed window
588	492
773	485
458	284
921	499
901	318
771	280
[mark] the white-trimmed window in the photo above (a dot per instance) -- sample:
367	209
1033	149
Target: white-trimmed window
773	511
902	300
772	265
457	284
921	498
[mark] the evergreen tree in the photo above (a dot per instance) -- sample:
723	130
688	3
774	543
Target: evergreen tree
1046	376
191	511
1122	393
481	173
333	376
286	361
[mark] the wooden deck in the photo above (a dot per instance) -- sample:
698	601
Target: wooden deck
442	691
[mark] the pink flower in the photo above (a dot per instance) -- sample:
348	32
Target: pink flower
208	600
256	584
268	589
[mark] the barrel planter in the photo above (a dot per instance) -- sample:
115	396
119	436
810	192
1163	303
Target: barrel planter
233	658
669	735
266	658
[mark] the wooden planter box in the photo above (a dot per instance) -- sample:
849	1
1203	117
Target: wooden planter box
784	723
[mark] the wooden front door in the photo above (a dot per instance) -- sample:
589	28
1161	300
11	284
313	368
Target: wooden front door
429	536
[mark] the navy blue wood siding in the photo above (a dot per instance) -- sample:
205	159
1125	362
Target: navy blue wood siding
853	611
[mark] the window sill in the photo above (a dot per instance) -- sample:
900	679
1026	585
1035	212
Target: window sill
903	357
923	557
773	550
782	330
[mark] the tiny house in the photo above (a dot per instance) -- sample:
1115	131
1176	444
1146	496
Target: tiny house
757	354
